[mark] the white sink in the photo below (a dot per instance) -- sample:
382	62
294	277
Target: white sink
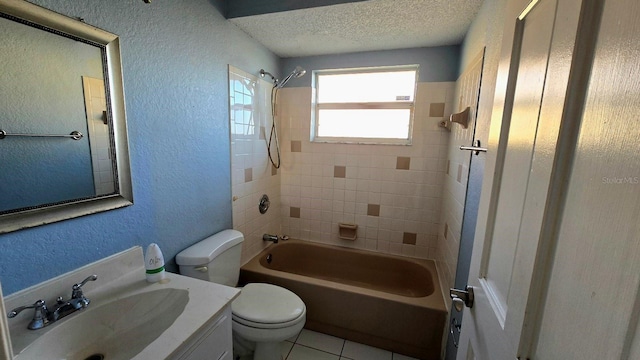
128	318
117	330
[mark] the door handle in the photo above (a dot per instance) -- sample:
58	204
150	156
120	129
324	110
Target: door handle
462	298
476	147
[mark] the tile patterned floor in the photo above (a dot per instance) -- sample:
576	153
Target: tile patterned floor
311	345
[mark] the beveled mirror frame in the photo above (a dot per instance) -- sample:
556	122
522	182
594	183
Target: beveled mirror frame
110	45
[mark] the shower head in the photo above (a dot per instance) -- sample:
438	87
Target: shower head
298	72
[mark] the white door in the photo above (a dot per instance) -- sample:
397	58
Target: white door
594	280
539	39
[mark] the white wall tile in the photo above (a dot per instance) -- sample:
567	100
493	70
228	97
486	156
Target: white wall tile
249	151
407	197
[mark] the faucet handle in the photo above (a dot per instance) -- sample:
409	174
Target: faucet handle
81	284
77	288
39	305
40	318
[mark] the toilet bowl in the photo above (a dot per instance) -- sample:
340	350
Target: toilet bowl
262	314
267	314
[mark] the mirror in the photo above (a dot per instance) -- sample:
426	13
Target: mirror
63	137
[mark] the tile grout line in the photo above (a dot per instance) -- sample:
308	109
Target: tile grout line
312	348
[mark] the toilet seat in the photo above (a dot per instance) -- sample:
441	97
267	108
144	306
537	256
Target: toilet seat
267	306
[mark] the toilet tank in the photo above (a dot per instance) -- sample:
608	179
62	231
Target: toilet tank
215	259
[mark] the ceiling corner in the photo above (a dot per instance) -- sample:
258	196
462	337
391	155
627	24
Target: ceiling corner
242	8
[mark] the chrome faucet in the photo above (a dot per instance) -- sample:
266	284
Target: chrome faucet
274	238
78	301
269	237
40	316
43	317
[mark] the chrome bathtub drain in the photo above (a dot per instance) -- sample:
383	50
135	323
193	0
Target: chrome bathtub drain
95	357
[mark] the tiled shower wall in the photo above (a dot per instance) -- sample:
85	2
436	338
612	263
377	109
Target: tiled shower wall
392	192
457	175
252	174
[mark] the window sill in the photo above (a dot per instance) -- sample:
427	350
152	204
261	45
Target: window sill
361	141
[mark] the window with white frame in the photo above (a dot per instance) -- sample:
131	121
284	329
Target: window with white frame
366	105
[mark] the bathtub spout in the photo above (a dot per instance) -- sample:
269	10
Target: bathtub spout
269	237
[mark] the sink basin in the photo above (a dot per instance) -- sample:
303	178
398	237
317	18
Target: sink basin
115	330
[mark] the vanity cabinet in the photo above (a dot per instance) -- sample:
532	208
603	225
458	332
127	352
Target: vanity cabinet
214	342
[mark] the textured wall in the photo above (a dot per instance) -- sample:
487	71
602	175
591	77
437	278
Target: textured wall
175	57
437	64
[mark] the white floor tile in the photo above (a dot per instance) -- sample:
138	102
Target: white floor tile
300	352
358	351
402	357
324	342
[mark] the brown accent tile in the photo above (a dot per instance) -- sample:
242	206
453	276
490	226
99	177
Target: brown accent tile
446	230
294	212
403	163
436	110
448	166
274	170
296	146
459	178
373	210
248	174
409	238
263	133
340	171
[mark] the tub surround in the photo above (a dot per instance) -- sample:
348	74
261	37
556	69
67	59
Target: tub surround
252	174
120	276
393	193
342	301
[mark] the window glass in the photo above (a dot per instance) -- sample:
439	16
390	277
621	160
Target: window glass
365	105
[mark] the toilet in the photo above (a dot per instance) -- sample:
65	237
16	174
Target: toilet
263	314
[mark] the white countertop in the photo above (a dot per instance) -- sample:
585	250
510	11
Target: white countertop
120	276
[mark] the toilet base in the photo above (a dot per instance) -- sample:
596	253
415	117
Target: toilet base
247	350
242	349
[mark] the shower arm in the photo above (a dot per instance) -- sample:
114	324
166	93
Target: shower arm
273	78
296	73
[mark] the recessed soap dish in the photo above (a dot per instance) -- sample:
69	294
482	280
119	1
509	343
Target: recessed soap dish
348	231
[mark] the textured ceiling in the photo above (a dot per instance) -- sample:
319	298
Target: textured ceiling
362	26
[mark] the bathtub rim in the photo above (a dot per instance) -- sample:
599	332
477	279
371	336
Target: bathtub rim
433	301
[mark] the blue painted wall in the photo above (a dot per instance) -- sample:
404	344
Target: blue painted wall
436	63
175	56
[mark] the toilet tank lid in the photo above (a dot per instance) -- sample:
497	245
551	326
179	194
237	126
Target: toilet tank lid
201	253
